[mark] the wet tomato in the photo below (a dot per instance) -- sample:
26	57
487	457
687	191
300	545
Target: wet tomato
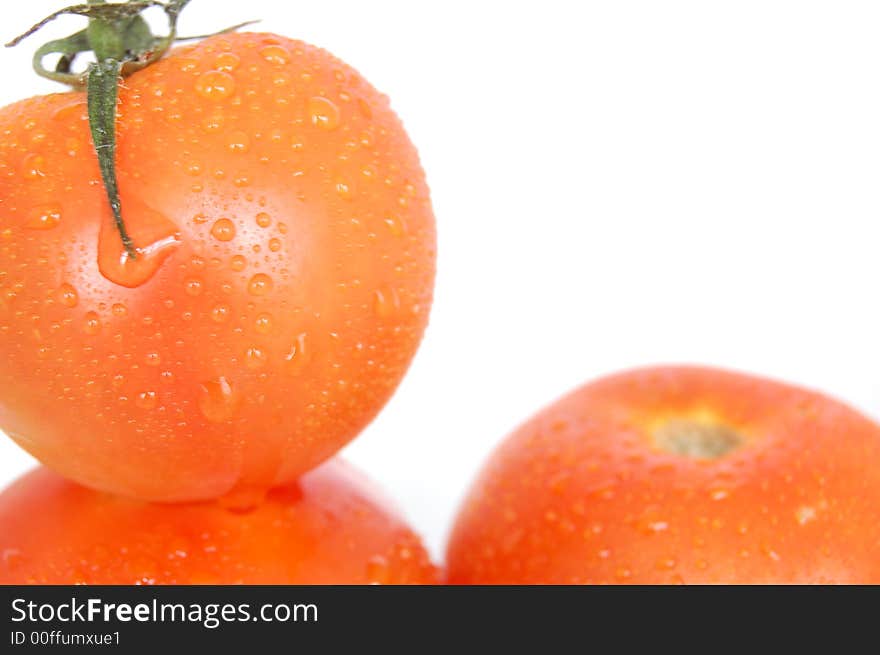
329	528
678	475
284	271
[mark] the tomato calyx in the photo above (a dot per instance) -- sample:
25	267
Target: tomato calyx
122	43
696	438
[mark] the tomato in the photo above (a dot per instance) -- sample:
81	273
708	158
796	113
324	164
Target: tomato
284	272
678	475
331	527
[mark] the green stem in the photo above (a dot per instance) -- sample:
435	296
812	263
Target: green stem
102	92
123	44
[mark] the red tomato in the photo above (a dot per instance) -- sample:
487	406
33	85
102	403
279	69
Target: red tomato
678	475
284	273
329	528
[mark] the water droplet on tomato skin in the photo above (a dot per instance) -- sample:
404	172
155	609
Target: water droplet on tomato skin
239	142
68	296
260	285
378	570
275	54
223	230
263	323
215	85
238	263
385	302
263	219
297	357
33	166
43	217
92	325
365	109
194	287
255	358
395	226
220	313
154	236
146	400
324	114
217	400
343	190
227	62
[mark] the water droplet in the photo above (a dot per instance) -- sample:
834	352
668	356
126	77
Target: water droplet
92	324
68	296
238	263
395	226
275	54
255	358
213	124
146	400
217	400
324	113
385	302
155	238
298	355
223	230
263	324
215	85
220	313
343	189
239	142
719	494
73	146
43	217
264	220
274	245
193	287
260	285
227	62
666	564
153	359
378	570
119	310
34	166
805	514
769	552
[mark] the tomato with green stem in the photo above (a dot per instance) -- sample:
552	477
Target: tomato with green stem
248	300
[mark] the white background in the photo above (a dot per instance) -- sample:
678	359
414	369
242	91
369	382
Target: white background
615	184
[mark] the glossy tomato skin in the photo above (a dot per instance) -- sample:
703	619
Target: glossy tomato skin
329	528
283	281
582	493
